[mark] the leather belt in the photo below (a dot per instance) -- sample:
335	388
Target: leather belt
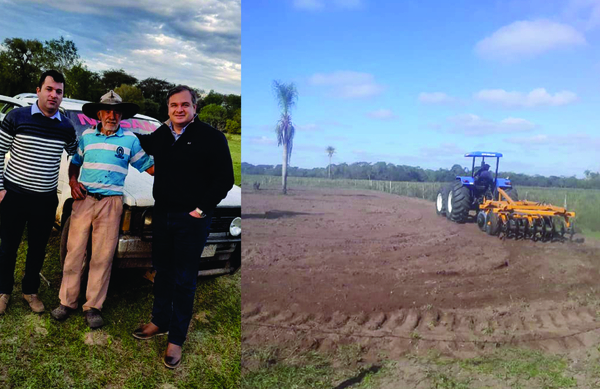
99	196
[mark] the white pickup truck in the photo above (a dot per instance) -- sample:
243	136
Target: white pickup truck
221	255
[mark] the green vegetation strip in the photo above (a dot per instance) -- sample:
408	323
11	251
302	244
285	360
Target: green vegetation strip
519	366
270	367
584	202
38	352
274	368
235	148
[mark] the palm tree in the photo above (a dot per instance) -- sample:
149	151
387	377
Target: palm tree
286	95
330	151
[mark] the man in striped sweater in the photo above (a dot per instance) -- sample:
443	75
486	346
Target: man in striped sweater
36	137
103	158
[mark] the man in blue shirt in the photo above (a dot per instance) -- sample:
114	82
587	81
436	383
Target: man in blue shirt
101	164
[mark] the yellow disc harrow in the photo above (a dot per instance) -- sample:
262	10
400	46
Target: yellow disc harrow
508	218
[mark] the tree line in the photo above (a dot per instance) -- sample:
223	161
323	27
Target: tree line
390	172
23	60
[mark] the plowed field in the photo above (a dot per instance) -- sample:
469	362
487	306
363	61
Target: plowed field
327	267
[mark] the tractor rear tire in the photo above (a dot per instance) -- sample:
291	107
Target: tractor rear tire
441	200
459	203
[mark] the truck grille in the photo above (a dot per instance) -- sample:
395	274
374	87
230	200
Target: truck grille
222	219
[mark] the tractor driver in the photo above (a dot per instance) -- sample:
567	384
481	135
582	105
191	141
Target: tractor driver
483	176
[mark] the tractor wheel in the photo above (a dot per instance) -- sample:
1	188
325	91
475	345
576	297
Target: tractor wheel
493	225
459	203
511	192
481	220
441	200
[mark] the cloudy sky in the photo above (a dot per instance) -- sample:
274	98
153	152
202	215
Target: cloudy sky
422	82
195	42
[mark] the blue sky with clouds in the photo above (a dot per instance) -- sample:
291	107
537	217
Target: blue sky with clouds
422	82
195	42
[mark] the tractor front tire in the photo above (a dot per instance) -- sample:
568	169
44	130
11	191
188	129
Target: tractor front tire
441	200
459	203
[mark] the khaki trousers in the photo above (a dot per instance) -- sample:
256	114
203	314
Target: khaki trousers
103	217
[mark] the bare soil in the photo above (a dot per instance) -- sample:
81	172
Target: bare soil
325	267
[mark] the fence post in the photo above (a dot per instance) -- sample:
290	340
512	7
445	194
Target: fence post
565	200
423	191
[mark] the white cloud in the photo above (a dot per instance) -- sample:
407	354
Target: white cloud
182	41
436	98
473	125
382	114
348	84
573	143
528	39
535	98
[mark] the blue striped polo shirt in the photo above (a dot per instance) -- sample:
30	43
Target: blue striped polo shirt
104	160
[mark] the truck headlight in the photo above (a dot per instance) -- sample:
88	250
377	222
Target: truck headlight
148	218
235	228
126	223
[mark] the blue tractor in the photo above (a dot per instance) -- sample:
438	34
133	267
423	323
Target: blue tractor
467	193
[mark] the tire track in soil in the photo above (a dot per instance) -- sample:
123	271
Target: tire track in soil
557	331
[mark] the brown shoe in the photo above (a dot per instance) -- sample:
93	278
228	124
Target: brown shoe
34	302
4	302
172	356
148	331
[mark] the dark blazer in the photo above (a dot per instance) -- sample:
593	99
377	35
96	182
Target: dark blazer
193	172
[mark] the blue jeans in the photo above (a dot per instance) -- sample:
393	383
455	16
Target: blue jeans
177	244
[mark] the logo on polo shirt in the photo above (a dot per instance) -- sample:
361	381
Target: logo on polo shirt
120	152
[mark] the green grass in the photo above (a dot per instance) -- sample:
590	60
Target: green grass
269	367
235	148
584	202
272	368
38	352
523	367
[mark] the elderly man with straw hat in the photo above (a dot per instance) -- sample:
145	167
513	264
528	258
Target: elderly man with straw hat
96	176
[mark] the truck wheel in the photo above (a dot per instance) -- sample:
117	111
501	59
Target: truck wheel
441	200
459	203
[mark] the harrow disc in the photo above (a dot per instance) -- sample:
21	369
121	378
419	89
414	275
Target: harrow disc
526	228
481	220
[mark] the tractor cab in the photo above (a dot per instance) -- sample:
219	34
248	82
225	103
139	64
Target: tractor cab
482	180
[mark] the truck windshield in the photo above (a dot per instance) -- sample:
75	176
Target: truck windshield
135	124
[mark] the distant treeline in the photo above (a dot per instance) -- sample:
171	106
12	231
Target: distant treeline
389	172
22	61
